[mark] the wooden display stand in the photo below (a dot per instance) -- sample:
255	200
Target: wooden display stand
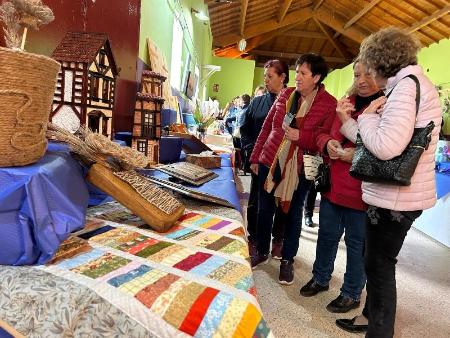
191	144
105	180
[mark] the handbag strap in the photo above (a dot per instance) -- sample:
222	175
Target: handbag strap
416	80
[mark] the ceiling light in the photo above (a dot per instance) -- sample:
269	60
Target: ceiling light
199	15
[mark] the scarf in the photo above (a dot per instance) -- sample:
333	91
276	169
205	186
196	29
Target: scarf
283	174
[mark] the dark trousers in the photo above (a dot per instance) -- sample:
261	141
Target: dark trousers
333	221
252	215
385	232
310	201
266	211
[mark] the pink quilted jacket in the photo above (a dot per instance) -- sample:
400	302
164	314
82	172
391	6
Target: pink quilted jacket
388	134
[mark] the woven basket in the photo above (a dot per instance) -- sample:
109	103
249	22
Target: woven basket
27	85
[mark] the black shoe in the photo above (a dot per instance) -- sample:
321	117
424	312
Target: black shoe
342	304
309	222
350	326
258	260
312	288
286	276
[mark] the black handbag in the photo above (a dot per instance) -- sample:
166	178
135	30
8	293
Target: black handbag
322	183
398	170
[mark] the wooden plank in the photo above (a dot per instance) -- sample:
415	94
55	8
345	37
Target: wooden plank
283	10
244	5
333	41
334	21
317	5
296	55
361	13
305	34
265	27
425	21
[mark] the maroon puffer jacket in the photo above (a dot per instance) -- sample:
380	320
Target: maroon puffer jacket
318	121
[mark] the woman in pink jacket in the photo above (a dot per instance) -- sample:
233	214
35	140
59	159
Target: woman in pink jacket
386	127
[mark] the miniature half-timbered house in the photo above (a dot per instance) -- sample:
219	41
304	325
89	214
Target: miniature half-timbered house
147	115
84	92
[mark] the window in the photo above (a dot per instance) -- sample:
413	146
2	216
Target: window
142	147
177	46
105	90
148	125
93	84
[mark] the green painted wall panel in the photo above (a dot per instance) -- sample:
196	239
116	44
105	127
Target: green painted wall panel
235	78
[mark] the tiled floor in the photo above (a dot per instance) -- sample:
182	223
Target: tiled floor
423	287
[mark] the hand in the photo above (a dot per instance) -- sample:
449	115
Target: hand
376	106
254	168
332	147
292	134
348	155
344	109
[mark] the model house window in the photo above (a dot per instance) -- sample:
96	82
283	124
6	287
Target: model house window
102	58
148	125
142	147
177	46
93	84
105	90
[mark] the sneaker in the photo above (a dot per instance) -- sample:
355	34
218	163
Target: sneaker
258	260
252	250
342	304
286	272
309	222
312	288
277	246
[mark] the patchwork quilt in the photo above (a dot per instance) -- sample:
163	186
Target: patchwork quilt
117	277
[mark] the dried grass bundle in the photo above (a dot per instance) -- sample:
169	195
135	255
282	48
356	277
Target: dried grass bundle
96	148
23	13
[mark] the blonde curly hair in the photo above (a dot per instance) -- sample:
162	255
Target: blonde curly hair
388	50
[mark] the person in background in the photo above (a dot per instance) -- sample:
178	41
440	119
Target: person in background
342	208
259	91
386	127
292	126
276	76
238	151
232	108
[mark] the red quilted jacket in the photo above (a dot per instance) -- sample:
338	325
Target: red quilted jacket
345	190
318	121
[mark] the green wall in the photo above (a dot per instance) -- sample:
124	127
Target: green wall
234	79
157	18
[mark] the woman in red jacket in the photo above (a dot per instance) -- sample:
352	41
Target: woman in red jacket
292	126
342	207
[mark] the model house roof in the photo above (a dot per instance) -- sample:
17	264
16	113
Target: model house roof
83	47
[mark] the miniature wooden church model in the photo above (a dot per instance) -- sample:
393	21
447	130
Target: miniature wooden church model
84	92
147	115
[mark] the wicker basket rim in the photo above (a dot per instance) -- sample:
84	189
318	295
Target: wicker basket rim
39	56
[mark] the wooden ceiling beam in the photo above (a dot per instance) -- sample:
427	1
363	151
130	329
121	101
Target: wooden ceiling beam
305	34
425	21
361	13
332	20
265	27
244	5
339	47
295	55
283	10
317	5
233	52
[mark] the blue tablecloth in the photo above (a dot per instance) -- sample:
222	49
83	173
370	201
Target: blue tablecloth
442	184
40	204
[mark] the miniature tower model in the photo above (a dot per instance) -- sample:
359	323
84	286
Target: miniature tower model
147	115
84	92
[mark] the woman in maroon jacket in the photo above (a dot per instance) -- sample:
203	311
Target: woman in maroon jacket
342	207
292	126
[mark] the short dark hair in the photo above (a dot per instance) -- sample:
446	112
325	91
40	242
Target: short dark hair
280	68
316	63
246	99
